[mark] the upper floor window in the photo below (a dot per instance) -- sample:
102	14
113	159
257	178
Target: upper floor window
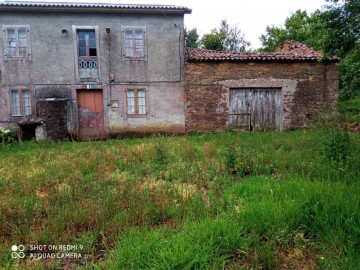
87	43
16	41
20	102
134	42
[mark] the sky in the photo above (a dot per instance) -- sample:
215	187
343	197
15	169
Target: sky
251	16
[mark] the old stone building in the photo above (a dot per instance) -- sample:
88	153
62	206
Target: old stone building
290	88
92	70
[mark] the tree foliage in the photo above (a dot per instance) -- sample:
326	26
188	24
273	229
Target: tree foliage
300	26
342	22
225	38
191	38
335	30
350	75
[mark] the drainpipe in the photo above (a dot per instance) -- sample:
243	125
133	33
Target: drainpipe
110	76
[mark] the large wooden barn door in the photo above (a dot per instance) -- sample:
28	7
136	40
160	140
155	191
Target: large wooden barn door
255	109
91	114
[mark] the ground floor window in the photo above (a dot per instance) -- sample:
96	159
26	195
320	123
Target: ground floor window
20	102
136	101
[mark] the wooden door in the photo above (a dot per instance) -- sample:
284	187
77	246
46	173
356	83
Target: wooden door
91	114
255	109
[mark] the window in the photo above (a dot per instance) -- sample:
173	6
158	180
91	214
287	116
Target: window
17	41
87	43
20	102
136	102
134	42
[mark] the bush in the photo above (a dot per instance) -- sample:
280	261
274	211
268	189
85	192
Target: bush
8	135
338	145
349	77
230	158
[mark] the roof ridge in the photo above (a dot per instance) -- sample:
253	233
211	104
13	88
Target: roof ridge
80	4
297	52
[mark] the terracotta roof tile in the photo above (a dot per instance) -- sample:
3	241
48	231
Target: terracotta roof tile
116	6
288	51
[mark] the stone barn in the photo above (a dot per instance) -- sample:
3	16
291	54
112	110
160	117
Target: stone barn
290	88
95	70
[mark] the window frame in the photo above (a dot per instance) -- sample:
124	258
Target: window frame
20	90
75	29
87	43
136	99
17	56
144	47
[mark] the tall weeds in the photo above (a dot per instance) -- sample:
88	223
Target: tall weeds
224	200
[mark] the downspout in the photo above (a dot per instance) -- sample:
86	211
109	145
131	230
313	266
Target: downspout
109	74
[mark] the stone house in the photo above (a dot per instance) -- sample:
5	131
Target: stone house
91	70
290	88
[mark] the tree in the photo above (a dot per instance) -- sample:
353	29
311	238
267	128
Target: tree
225	38
191	38
213	41
350	75
342	21
300	26
335	31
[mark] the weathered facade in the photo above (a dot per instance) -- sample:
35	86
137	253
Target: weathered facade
92	70
290	88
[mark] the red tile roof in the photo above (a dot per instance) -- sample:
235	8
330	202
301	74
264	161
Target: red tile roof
288	51
101	6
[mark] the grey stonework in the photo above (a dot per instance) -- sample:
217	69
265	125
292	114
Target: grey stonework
179	97
50	71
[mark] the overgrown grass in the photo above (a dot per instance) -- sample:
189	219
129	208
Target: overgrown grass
350	105
206	201
263	216
350	111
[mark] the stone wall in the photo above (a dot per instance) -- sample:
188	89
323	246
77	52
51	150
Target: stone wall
51	69
308	89
55	114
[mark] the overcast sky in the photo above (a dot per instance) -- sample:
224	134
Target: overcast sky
252	16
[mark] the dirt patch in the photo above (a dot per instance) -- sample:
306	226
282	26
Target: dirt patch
297	259
294	259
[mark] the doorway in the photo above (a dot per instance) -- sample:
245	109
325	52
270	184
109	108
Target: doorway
91	114
255	109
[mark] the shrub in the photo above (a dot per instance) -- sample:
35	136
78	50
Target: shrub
337	145
8	135
161	157
230	158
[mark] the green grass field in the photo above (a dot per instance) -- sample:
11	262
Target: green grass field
229	200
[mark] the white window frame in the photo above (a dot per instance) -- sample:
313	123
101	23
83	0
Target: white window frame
5	29
134	58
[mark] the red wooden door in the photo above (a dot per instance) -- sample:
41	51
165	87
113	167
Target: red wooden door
91	114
